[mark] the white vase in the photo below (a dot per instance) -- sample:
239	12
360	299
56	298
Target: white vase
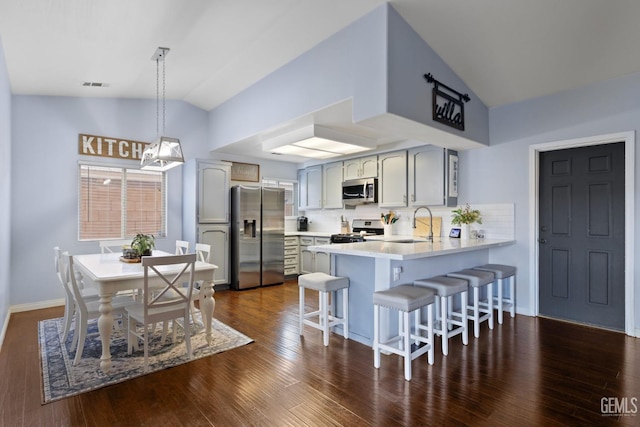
465	232
387	230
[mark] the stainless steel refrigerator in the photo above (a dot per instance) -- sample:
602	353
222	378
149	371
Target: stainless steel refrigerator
257	236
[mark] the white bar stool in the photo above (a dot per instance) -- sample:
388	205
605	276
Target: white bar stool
405	299
503	272
446	317
481	310
324	284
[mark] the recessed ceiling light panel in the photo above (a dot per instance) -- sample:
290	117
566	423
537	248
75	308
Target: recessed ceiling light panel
318	142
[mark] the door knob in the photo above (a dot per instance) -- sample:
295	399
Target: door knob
542	241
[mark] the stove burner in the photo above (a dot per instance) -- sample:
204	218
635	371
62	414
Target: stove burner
346	238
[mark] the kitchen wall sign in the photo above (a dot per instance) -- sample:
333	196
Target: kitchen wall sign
245	172
448	105
104	146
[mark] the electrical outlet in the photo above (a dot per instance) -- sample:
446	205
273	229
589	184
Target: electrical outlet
396	273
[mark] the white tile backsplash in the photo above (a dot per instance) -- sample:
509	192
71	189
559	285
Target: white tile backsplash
498	220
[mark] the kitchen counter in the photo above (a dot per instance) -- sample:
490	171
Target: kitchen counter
383	263
407	247
308	233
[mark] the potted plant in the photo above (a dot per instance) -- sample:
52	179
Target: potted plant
465	216
143	244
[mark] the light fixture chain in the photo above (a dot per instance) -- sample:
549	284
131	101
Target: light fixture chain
163	95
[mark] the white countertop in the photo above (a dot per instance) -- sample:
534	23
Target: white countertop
308	233
403	251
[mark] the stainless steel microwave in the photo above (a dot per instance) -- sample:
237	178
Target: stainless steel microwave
360	191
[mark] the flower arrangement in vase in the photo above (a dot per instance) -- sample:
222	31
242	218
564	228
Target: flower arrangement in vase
143	244
465	216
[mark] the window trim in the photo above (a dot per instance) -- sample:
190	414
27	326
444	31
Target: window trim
124	167
295	192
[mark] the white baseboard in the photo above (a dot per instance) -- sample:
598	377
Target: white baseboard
4	328
36	305
27	307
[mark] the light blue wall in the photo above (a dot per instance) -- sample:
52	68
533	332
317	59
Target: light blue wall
410	58
44	202
378	61
500	173
5	190
347	62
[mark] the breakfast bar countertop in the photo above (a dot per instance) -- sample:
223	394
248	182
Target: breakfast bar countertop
411	249
308	233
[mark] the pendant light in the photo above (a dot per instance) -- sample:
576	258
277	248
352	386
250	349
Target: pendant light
165	153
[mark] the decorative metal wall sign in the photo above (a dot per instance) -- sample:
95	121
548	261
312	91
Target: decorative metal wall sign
448	107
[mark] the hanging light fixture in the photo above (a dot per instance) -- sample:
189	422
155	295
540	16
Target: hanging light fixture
165	153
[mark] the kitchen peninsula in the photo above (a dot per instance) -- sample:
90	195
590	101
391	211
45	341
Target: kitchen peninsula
375	265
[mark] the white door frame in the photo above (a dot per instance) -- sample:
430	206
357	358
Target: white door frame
629	214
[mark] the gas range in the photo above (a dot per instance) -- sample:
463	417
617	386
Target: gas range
361	229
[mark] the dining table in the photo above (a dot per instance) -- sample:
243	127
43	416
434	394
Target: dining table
110	274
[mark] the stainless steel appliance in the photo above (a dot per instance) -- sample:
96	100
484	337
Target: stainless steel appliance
361	229
360	191
303	223
257	236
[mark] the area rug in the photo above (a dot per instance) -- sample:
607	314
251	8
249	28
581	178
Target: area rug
60	378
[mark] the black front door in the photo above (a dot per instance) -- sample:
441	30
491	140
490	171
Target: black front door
581	236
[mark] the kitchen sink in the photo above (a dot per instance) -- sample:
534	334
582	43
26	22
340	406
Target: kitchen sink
410	241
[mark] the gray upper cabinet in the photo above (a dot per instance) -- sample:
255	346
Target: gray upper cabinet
332	185
392	187
427	176
310	188
213	192
363	167
302	189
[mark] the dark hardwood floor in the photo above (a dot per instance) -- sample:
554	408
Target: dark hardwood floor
528	371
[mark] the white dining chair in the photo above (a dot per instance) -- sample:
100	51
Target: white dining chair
113	245
89	294
158	306
87	310
182	247
203	251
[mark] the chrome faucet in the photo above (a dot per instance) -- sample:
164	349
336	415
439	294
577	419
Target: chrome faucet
430	237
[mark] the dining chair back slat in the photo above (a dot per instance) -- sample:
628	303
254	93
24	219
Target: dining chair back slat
203	251
182	247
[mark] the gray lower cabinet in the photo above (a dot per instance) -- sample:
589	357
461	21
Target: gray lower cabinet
218	237
291	256
314	261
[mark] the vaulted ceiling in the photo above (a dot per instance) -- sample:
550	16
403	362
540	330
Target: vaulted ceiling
505	50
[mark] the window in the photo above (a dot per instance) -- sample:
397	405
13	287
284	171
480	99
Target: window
290	202
116	202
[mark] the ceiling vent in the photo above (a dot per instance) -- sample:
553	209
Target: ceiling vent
94	84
